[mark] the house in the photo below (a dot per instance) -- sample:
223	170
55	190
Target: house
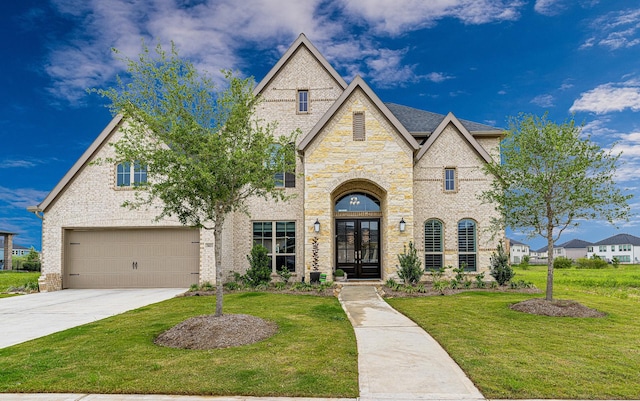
573	249
6	237
371	177
624	247
517	251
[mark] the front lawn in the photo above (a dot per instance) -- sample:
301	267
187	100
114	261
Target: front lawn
313	354
12	279
509	354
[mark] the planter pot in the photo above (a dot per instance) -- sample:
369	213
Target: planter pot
314	277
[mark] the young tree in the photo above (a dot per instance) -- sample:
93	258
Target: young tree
205	151
550	179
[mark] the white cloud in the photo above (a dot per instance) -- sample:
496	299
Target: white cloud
549	7
14	163
397	17
629	145
544	101
212	34
616	30
438	77
21	197
599	129
609	97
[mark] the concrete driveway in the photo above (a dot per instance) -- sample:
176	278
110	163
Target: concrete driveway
25	317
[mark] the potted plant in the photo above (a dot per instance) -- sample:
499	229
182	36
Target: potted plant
340	275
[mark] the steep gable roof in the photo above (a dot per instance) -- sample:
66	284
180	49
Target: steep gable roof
620	239
574	243
82	161
300	41
358	82
425	122
451	119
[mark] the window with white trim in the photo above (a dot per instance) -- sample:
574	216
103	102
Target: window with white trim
433	247
303	101
467	245
280	242
602	248
131	174
450	179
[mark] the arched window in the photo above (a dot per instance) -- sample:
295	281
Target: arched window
467	245
357	202
433	247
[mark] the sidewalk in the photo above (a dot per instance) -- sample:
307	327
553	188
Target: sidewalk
398	360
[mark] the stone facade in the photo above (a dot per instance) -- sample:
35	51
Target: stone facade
387	164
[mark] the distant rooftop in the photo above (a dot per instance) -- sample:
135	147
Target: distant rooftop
574	243
620	239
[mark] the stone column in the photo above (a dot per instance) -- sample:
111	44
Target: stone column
8	251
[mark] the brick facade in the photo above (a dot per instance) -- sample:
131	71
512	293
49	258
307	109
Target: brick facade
331	163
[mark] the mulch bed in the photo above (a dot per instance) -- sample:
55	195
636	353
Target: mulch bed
557	308
209	331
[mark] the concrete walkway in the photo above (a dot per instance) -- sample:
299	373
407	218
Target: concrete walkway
398	360
27	317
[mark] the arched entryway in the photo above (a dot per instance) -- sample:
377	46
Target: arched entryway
358	237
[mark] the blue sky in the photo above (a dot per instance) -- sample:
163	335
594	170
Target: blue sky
482	60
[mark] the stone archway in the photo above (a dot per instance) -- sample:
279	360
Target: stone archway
358	219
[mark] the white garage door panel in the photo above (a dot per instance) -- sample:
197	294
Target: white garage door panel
136	258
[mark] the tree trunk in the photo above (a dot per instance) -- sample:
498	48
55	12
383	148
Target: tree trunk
217	231
549	293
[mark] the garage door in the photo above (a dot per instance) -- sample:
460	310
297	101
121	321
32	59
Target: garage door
136	258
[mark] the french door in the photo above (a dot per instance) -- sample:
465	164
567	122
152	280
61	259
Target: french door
358	247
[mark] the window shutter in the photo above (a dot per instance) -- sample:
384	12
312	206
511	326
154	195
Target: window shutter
289	180
358	126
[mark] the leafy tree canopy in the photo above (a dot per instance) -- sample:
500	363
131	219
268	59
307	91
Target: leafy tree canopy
550	178
205	150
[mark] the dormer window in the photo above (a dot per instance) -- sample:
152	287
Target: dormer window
303	101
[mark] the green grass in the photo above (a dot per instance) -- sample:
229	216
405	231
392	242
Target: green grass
508	354
15	279
313	354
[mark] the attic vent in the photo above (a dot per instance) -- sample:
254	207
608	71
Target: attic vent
358	126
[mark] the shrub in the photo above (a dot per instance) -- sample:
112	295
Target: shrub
259	271
525	262
232	286
284	274
480	281
615	262
562	263
440	286
207	286
500	268
593	263
393	284
410	269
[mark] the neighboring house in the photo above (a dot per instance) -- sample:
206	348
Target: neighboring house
371	177
16	250
538	256
517	251
573	249
624	247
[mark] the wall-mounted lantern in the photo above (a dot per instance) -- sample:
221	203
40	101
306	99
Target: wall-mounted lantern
316	226
403	225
